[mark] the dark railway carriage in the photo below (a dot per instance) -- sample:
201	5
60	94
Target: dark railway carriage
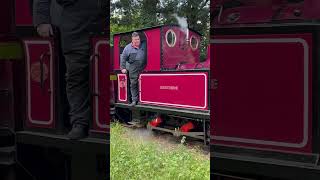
33	106
174	83
266	103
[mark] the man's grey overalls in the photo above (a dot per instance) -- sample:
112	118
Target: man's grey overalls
136	57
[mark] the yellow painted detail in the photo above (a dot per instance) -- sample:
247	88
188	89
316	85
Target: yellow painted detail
10	51
113	78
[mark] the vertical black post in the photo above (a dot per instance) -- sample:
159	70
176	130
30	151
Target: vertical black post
204	132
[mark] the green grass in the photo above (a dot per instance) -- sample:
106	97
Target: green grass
137	159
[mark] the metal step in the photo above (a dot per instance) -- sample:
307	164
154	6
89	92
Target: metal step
7	155
7	137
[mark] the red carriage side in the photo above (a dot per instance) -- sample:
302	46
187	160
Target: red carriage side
32	103
265	115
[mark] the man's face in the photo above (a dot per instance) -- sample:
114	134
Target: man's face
136	41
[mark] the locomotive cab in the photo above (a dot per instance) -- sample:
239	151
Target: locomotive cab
125	39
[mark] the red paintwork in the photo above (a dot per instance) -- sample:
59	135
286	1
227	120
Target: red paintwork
181	52
153	54
204	65
112	91
187	66
260	92
287	12
116	55
200	65
180	90
156	122
187	127
122	88
311	9
100	85
267	11
6	83
250	11
40	101
250	2
6	12
251	14
23	13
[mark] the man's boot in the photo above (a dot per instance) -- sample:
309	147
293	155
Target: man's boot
133	103
137	119
136	123
78	132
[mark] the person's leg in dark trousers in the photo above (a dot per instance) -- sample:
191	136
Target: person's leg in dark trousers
77	88
77	78
75	22
134	72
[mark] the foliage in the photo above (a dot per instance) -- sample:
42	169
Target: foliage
136	159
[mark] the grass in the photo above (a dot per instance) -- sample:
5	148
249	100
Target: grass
133	158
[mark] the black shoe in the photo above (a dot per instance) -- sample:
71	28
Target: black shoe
133	103
78	132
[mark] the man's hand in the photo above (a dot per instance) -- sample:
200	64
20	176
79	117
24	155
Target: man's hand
44	30
123	71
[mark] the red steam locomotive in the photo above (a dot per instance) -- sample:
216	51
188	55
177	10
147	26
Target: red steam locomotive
173	88
33	107
265	107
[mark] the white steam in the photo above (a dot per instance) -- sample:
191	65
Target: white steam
182	21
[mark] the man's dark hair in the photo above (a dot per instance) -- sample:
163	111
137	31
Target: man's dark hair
135	34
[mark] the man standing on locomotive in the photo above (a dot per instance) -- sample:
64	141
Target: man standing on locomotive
74	21
134	53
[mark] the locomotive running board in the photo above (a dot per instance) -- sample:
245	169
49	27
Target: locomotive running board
61	141
265	166
267	157
188	113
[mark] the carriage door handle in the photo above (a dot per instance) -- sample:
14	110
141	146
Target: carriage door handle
41	60
220	13
93	57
